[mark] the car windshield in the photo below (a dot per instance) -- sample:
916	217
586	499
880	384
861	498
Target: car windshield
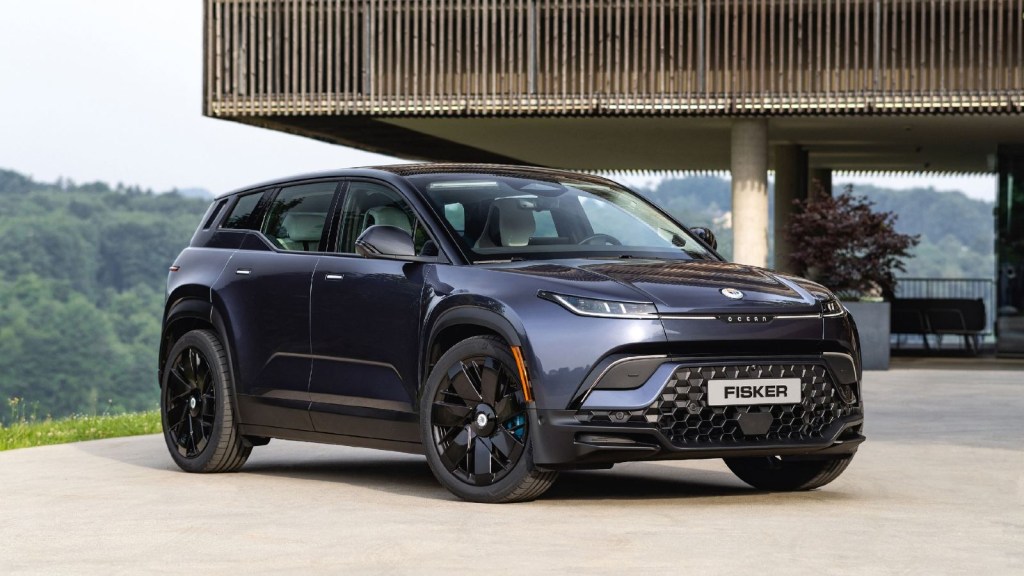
497	217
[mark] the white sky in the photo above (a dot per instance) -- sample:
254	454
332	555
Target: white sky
112	90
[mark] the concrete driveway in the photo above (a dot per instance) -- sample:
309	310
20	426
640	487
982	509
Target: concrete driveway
937	489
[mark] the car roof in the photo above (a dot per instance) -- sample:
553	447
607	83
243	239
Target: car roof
421	168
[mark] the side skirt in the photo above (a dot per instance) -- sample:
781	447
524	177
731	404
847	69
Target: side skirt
323	438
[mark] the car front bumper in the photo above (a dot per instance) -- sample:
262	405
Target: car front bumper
669	416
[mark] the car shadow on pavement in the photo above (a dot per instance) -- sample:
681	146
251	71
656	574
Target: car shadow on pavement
620	485
409	475
412	477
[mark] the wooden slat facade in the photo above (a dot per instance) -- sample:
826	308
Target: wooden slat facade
612	57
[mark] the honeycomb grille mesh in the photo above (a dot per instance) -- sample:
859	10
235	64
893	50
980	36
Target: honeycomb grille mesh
681	412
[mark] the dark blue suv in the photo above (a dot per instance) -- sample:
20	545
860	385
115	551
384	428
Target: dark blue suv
507	323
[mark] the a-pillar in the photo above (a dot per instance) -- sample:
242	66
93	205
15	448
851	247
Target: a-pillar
749	163
790	185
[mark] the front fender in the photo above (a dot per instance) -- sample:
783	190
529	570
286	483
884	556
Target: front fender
477	313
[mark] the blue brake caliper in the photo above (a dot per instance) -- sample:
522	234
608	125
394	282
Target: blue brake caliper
517	426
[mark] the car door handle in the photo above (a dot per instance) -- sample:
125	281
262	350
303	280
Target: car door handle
243	271
333	277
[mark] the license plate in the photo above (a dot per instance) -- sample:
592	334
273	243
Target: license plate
754	392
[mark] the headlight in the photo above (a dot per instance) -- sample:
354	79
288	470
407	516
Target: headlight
831	307
602	308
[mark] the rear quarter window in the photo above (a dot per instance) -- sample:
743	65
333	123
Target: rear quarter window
214	213
244	215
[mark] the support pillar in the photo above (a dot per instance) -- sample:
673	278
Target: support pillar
790	185
749	163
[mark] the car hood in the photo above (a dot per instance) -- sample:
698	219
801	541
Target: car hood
692	286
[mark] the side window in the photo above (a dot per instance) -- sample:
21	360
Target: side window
297	216
368	204
242	216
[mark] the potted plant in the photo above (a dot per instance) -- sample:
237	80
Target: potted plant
854	251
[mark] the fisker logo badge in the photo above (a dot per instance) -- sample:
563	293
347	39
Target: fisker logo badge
732	293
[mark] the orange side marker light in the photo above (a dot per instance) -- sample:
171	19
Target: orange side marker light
527	391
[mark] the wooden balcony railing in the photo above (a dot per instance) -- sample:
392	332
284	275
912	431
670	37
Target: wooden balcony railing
605	57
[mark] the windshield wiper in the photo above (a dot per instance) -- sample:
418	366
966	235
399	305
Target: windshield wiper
501	261
628	257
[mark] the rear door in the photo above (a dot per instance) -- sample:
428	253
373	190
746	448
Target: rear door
265	291
366	316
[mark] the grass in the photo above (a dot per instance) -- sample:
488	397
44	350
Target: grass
26	433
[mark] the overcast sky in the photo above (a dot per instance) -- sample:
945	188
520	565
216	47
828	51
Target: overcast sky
112	90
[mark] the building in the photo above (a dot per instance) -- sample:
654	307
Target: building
803	87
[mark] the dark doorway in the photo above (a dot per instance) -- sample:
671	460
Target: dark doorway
1010	252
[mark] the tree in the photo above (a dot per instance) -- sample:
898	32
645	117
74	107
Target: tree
842	243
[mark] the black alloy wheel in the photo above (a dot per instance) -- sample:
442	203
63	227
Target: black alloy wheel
197	407
475	425
191	402
479	421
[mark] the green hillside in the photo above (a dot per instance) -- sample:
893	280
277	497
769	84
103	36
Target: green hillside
82	274
83	268
957	232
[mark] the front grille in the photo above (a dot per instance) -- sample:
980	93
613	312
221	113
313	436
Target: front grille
681	412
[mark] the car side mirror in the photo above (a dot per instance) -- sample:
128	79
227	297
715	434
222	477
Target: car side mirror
389	242
392	243
707	236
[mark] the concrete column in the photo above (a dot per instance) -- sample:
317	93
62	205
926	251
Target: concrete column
750	192
790	185
820	179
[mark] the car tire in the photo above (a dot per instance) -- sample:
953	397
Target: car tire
475	427
197	406
780	474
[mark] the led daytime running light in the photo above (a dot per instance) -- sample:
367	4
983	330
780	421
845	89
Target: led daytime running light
602	308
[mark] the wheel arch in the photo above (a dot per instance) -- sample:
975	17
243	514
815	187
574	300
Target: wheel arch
459	323
190	308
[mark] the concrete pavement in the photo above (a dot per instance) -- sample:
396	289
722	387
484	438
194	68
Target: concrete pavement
937	489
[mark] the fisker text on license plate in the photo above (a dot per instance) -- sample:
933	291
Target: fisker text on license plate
753	392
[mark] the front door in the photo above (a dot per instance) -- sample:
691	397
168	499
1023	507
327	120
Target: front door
366	316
